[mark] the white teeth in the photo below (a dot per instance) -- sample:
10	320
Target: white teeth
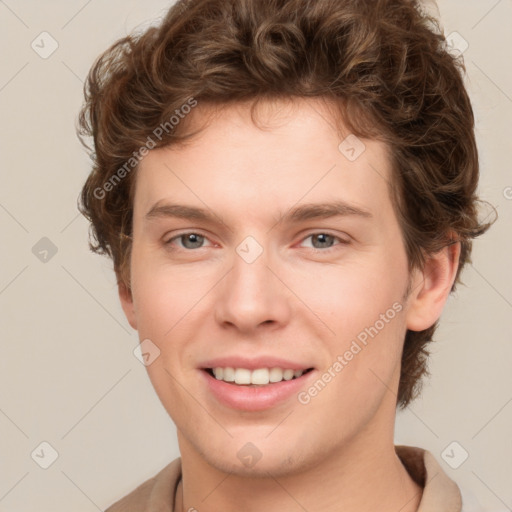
229	375
242	376
288	375
276	375
260	376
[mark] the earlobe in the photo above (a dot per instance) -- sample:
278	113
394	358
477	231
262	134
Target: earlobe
126	298
431	287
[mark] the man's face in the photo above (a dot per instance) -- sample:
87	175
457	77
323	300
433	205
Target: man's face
255	282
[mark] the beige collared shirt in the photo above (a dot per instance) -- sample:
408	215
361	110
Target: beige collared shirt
440	493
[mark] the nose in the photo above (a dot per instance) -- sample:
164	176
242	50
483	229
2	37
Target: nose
253	295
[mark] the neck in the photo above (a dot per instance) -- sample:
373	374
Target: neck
357	478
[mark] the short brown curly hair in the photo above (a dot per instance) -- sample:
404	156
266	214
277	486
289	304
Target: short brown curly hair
384	63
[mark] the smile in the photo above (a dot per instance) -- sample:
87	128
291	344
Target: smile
255	390
256	377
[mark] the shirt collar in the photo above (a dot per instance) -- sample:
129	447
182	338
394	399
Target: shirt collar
440	492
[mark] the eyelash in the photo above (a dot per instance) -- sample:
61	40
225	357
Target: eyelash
325	250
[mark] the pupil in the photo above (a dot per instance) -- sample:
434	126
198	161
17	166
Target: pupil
192	241
323	238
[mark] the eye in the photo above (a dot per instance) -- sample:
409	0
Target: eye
324	241
190	240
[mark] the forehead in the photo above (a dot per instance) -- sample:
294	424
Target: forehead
290	152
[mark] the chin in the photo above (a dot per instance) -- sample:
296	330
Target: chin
261	459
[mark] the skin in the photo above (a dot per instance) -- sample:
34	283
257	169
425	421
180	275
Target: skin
298	299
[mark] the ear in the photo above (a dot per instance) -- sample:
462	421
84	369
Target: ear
431	286
126	298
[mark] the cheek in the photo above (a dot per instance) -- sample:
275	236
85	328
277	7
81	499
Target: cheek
362	307
165	295
349	298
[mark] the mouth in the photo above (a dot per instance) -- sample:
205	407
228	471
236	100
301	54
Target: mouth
257	384
260	377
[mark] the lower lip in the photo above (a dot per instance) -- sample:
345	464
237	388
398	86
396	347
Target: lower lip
248	398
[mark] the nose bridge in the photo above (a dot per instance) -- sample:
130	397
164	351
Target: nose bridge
251	294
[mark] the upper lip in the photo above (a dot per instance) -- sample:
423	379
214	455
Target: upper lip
254	363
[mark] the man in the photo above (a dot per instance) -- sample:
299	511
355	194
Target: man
287	190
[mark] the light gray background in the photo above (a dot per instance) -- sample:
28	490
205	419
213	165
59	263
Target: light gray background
68	375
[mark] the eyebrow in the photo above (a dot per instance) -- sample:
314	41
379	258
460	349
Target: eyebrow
298	214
